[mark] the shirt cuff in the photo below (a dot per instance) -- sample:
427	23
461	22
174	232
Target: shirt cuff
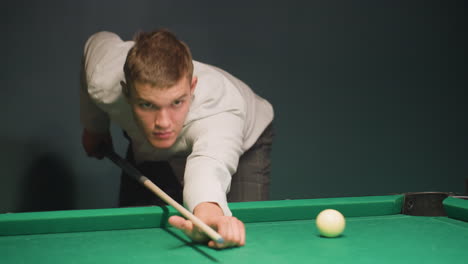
192	202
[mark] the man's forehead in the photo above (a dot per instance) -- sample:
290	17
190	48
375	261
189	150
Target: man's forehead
148	91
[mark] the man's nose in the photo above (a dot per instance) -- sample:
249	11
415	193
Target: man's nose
162	119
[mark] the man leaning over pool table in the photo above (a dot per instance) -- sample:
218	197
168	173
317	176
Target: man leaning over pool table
191	128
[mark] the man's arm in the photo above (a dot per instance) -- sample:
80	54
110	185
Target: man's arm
216	148
101	74
95	122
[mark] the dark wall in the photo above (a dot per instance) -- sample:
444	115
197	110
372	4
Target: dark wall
369	95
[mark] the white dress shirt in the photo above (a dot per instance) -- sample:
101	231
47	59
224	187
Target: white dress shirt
225	119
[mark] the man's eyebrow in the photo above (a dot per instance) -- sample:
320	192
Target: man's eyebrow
142	99
182	96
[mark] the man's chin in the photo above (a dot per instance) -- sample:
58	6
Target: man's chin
162	144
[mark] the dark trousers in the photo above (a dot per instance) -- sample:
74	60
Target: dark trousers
250	182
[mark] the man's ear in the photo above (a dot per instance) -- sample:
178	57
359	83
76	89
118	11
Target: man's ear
193	84
125	89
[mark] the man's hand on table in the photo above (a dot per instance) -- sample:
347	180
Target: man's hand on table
230	228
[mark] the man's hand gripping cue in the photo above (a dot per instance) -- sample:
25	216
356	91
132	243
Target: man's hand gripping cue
95	144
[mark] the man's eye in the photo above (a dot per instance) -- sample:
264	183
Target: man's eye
146	105
177	102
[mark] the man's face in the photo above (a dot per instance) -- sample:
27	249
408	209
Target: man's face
161	113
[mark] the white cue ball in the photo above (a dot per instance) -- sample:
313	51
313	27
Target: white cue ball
330	223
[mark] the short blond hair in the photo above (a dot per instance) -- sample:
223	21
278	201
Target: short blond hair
158	58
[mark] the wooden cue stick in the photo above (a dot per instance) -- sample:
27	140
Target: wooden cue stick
128	168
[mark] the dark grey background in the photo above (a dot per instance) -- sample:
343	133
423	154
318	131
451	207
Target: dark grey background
369	95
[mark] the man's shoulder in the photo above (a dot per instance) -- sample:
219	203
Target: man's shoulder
105	55
203	69
99	38
214	78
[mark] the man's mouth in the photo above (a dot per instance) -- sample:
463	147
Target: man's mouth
162	135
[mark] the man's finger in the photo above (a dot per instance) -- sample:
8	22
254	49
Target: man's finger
180	223
187	226
233	232
242	228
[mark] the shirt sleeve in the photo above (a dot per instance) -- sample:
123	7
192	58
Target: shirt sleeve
92	117
101	72
217	146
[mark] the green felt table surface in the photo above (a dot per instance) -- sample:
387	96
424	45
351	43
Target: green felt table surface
277	232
